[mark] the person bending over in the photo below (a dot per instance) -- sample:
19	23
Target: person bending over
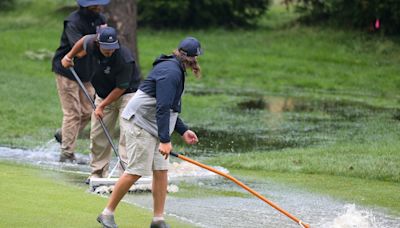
115	78
75	107
150	118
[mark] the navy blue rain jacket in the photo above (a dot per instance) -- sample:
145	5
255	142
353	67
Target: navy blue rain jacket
166	82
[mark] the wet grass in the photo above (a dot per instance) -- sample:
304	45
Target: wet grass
374	161
205	190
281	98
367	173
29	198
281	60
242	124
351	139
378	194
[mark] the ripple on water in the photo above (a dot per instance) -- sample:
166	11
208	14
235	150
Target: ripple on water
216	211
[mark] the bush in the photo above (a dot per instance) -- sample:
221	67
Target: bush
371	15
6	5
200	13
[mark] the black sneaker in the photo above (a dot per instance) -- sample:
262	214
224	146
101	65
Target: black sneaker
58	136
159	224
107	221
67	157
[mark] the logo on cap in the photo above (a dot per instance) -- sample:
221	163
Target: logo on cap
108	38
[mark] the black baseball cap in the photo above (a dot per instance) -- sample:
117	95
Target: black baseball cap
191	46
86	3
107	38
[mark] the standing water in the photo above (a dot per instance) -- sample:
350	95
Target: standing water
220	211
318	211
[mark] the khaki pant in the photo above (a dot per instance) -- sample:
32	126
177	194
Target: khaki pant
76	111
142	151
100	147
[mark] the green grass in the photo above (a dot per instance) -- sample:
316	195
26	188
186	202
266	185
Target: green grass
375	161
194	190
367	174
295	60
29	198
280	58
380	194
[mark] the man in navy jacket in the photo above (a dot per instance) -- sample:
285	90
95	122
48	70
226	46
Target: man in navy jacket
150	118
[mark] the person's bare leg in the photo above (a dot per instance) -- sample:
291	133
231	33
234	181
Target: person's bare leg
159	189
120	189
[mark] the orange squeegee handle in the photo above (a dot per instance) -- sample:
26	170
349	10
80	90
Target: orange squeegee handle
243	186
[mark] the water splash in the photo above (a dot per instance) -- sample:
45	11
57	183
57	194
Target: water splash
216	211
317	210
47	156
186	169
354	218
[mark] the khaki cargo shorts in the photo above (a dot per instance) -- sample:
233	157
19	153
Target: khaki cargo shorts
142	151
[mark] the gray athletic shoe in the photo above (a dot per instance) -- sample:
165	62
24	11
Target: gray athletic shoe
67	157
58	136
71	158
107	221
159	224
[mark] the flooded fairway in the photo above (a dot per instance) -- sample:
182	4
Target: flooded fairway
213	209
240	123
234	124
318	211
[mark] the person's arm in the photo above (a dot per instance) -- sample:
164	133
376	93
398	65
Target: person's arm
113	96
180	127
122	84
166	89
187	135
77	50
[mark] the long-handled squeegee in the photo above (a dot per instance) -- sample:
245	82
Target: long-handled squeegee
144	183
100	120
109	180
301	223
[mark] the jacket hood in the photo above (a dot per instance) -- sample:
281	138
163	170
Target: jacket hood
172	58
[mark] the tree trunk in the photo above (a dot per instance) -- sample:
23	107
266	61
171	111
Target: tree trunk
122	15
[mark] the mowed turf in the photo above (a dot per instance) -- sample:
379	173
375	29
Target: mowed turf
277	58
30	198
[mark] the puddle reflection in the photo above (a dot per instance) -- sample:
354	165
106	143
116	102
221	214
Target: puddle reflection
265	123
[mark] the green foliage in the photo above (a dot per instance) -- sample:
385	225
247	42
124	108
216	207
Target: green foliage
360	14
200	13
7	5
